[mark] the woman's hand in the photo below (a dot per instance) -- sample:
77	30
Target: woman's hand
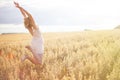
16	4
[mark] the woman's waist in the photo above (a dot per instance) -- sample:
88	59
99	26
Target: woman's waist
36	44
37	39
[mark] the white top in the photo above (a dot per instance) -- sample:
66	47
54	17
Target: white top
37	43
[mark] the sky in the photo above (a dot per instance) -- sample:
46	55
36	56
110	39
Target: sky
61	15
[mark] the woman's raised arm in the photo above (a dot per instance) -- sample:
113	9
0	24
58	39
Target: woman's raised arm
23	13
26	14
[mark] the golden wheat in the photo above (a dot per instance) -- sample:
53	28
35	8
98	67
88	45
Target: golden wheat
87	55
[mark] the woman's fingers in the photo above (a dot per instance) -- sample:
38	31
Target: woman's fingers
16	4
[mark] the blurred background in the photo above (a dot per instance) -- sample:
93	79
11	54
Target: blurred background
61	15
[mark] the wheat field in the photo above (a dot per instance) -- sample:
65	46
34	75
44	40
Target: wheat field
86	55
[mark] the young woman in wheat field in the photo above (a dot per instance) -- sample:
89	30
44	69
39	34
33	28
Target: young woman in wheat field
36	47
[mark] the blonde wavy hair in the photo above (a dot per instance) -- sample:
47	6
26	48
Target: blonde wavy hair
27	22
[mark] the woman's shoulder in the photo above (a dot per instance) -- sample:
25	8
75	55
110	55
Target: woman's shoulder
36	28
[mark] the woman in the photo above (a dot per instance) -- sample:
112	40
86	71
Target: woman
36	47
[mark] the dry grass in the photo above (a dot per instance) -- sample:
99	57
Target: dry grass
89	55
